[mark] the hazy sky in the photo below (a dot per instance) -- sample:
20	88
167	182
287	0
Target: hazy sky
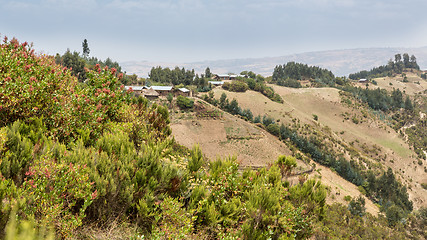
194	30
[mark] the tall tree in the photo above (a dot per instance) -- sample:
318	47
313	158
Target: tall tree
397	58
86	49
413	62
208	73
406	60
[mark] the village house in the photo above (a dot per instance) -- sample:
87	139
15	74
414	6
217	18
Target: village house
226	76
153	92
183	92
221	77
163	90
150	93
137	90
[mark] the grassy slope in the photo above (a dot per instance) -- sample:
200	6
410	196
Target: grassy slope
257	147
411	87
325	102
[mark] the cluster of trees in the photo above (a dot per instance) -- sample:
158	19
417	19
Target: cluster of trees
289	74
381	99
393	67
341	222
235	86
231	107
176	76
253	82
78	62
390	194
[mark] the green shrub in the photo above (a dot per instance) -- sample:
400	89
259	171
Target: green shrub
196	161
184	102
357	206
57	199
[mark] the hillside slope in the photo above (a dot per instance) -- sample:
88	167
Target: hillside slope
353	131
229	135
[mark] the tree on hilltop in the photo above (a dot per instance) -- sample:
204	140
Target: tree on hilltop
86	49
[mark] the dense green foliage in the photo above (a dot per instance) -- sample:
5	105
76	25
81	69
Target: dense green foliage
242	84
290	73
231	107
78	63
393	67
380	99
184	102
235	86
176	76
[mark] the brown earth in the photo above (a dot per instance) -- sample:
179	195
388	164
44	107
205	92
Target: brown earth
228	136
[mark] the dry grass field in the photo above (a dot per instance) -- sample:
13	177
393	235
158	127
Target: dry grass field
415	84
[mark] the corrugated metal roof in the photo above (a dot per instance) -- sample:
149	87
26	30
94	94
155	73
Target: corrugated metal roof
162	88
185	90
216	82
135	88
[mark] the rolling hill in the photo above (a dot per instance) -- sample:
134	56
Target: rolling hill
226	135
352	130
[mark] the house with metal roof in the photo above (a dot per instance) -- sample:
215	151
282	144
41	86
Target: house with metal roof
137	90
183	92
163	90
226	76
216	83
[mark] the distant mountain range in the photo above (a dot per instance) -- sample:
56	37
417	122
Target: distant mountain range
340	62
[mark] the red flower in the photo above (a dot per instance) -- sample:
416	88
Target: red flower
99	119
113	71
94	194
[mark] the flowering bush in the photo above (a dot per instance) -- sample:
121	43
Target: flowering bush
30	84
58	193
